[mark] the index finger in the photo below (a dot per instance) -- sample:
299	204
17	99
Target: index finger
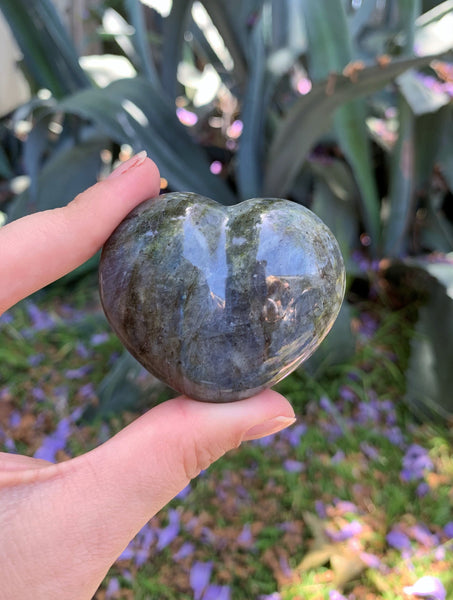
42	247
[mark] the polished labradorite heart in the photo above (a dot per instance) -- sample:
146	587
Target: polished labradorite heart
221	302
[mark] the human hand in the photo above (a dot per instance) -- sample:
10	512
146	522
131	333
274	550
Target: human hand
63	525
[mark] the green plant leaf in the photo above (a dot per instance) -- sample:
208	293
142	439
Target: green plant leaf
338	346
132	111
330	49
310	116
145	64
359	17
116	27
65	175
288	35
36	144
5	167
226	24
173	29
403	156
350	125
249	164
118	391
49	54
445	157
329	43
429	131
429	375
335	202
436	231
419	96
401	184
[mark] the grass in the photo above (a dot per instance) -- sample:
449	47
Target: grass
301	514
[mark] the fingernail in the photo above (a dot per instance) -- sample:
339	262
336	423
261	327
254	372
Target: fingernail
133	162
268	427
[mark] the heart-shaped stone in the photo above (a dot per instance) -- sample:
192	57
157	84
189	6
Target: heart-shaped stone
221	302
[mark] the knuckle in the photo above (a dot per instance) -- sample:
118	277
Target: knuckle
198	456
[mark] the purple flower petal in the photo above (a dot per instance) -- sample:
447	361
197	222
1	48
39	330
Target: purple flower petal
61	395
6	318
99	338
15	419
139	548
40	319
293	466
415	462
294	434
35	359
398	540
38	394
169	533
423	535
146	536
320	508
208	536
245	538
51	444
184	492
369	451
422	489
87	391
368	325
9	444
448	529
200	574
345	533
338	457
76	414
141	556
186	550
371	560
427	587
347	394
128	552
345	506
440	553
5	393
82	350
334	595
333	431
217	592
326	405
48	449
112	589
265	441
79	373
63	430
284	566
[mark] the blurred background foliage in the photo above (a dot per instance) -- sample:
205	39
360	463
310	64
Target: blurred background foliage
344	106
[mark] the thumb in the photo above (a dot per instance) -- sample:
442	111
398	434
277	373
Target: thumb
144	466
79	515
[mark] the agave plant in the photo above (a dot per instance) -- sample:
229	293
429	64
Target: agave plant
250	98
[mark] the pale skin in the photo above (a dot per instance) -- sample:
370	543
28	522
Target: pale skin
63	525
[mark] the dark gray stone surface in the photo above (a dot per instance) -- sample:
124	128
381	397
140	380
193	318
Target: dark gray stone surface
221	302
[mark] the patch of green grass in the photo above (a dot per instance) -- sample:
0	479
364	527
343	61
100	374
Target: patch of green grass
267	486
